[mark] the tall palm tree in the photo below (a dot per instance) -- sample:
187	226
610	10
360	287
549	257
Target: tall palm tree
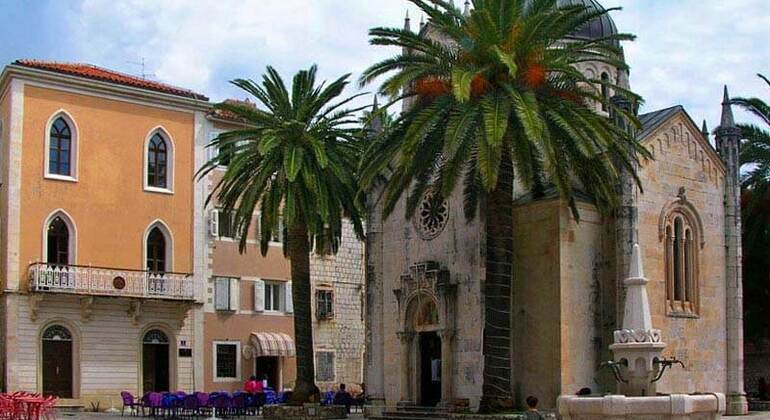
755	203
295	159
500	91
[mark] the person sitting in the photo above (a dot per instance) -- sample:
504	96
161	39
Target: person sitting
532	412
342	397
253	386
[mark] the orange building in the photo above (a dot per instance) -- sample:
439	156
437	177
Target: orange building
101	292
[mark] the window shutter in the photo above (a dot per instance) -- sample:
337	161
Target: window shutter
259	296
221	294
214	223
235	296
289	301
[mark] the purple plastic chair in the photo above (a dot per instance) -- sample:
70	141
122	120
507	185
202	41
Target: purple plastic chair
131	403
221	403
154	403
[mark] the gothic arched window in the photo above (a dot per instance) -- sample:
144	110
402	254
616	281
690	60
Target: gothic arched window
60	148
681	257
58	238
156	251
157	162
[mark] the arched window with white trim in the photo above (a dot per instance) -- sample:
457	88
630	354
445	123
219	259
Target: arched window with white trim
158	248
61	142
159	162
59	239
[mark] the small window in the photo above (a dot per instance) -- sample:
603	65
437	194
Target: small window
156	251
157	162
60	148
276	237
58	242
227	228
223	293
274	296
324	366
324	304
605	92
226	361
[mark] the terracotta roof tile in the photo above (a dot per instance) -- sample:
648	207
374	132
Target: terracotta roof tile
97	73
227	115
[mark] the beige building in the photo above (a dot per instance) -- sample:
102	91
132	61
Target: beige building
98	258
249	327
425	301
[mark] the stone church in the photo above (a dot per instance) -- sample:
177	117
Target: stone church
425	305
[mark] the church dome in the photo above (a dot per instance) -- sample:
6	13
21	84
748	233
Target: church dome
598	28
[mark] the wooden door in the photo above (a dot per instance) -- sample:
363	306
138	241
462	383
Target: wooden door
155	367
57	368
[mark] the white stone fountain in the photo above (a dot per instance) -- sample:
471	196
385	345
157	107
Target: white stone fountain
638	364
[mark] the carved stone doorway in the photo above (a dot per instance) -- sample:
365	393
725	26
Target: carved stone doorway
430	368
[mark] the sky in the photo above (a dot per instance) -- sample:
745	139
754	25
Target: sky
685	52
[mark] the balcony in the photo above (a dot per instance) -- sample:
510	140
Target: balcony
100	281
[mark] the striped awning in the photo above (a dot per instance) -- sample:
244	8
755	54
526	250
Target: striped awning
272	344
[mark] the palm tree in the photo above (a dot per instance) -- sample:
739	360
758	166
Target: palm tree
500	91
755	203
295	160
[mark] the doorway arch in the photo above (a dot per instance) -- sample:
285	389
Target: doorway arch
58	361
156	361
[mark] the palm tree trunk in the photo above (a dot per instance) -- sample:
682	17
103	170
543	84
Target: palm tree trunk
305	389
496	391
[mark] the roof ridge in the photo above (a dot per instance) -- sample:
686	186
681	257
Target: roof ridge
105	74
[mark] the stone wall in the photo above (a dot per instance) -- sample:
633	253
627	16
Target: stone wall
684	160
342	335
457	249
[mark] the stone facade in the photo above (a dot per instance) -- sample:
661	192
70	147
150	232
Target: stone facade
343	333
568	289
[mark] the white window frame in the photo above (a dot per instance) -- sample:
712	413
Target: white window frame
170	155
73	235
237	377
282	299
166	231
74	147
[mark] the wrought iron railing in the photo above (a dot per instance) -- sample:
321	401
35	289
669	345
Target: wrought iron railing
102	281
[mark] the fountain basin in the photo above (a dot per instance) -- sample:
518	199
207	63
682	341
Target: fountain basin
618	407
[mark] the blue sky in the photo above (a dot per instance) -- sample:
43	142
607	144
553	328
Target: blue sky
685	51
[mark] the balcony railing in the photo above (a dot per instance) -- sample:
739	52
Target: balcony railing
100	281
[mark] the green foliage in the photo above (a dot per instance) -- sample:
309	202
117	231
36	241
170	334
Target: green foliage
501	82
294	159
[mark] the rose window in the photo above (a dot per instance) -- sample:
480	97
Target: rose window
432	216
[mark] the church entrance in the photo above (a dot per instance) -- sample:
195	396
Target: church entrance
430	369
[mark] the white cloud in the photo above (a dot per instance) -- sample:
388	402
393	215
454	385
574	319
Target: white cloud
686	49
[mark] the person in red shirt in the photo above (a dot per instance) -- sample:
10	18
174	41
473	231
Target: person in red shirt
253	386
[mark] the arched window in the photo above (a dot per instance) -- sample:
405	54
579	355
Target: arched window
60	148
156	251
681	258
605	92
58	238
157	162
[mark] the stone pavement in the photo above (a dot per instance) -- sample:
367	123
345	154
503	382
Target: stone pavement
102	416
